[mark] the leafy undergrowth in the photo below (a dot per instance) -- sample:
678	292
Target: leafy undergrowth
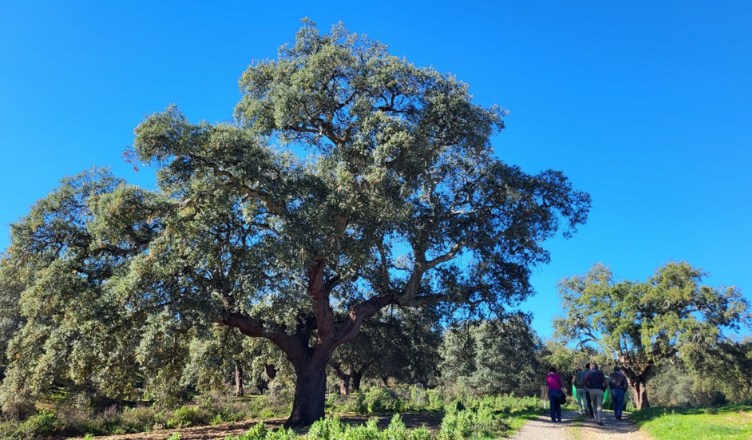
461	418
728	423
71	421
464	424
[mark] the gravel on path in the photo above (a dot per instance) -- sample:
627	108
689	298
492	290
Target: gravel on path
543	428
572	428
611	429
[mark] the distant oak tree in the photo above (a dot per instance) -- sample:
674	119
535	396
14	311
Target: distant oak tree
639	324
498	356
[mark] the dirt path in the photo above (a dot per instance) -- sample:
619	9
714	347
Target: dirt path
543	428
574	427
611	429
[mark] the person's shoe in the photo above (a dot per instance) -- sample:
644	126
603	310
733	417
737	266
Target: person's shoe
558	420
599	423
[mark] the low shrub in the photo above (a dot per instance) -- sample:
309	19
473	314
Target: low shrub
188	416
470	424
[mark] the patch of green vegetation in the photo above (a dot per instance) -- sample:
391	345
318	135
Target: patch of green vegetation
465	416
576	428
67	419
464	424
732	422
404	399
489	417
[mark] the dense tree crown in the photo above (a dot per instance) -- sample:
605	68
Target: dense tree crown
499	356
399	201
398	344
640	324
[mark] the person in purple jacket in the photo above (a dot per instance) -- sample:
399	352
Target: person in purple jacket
555	394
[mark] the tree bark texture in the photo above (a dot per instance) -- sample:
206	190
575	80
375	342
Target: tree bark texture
638	384
344	385
356	377
310	362
239	391
271	371
310	389
640	392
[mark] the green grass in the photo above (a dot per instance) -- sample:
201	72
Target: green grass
576	428
728	423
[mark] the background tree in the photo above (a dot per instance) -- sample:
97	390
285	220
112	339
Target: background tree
641	324
721	368
400	184
493	356
402	345
566	360
223	356
10	311
76	327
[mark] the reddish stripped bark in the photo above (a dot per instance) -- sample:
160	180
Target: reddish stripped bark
310	362
638	384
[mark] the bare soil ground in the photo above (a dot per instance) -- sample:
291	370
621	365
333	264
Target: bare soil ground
430	420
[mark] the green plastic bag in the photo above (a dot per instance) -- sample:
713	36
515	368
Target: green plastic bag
606	395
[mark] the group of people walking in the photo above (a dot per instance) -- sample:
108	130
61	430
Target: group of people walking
590	385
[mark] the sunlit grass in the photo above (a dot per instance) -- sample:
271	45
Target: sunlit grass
727	423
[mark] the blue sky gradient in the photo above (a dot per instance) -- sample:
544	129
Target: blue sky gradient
645	105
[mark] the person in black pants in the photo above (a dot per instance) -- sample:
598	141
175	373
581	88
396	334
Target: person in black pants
587	394
618	384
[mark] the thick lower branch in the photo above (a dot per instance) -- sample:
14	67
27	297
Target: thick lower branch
247	326
349	330
320	296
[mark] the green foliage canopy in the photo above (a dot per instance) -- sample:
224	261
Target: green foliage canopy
499	356
641	323
400	202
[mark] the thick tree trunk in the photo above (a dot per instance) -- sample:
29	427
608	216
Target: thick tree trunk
271	371
239	379
344	377
640	393
310	389
356	377
637	381
344	385
310	363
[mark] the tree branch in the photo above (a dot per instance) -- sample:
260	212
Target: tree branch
349	330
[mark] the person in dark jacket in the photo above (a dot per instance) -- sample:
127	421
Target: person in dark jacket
618	384
578	379
596	384
587	392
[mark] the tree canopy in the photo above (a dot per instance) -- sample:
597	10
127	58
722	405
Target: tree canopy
399	344
641	323
399	201
499	356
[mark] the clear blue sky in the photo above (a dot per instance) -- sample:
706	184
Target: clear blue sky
646	105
